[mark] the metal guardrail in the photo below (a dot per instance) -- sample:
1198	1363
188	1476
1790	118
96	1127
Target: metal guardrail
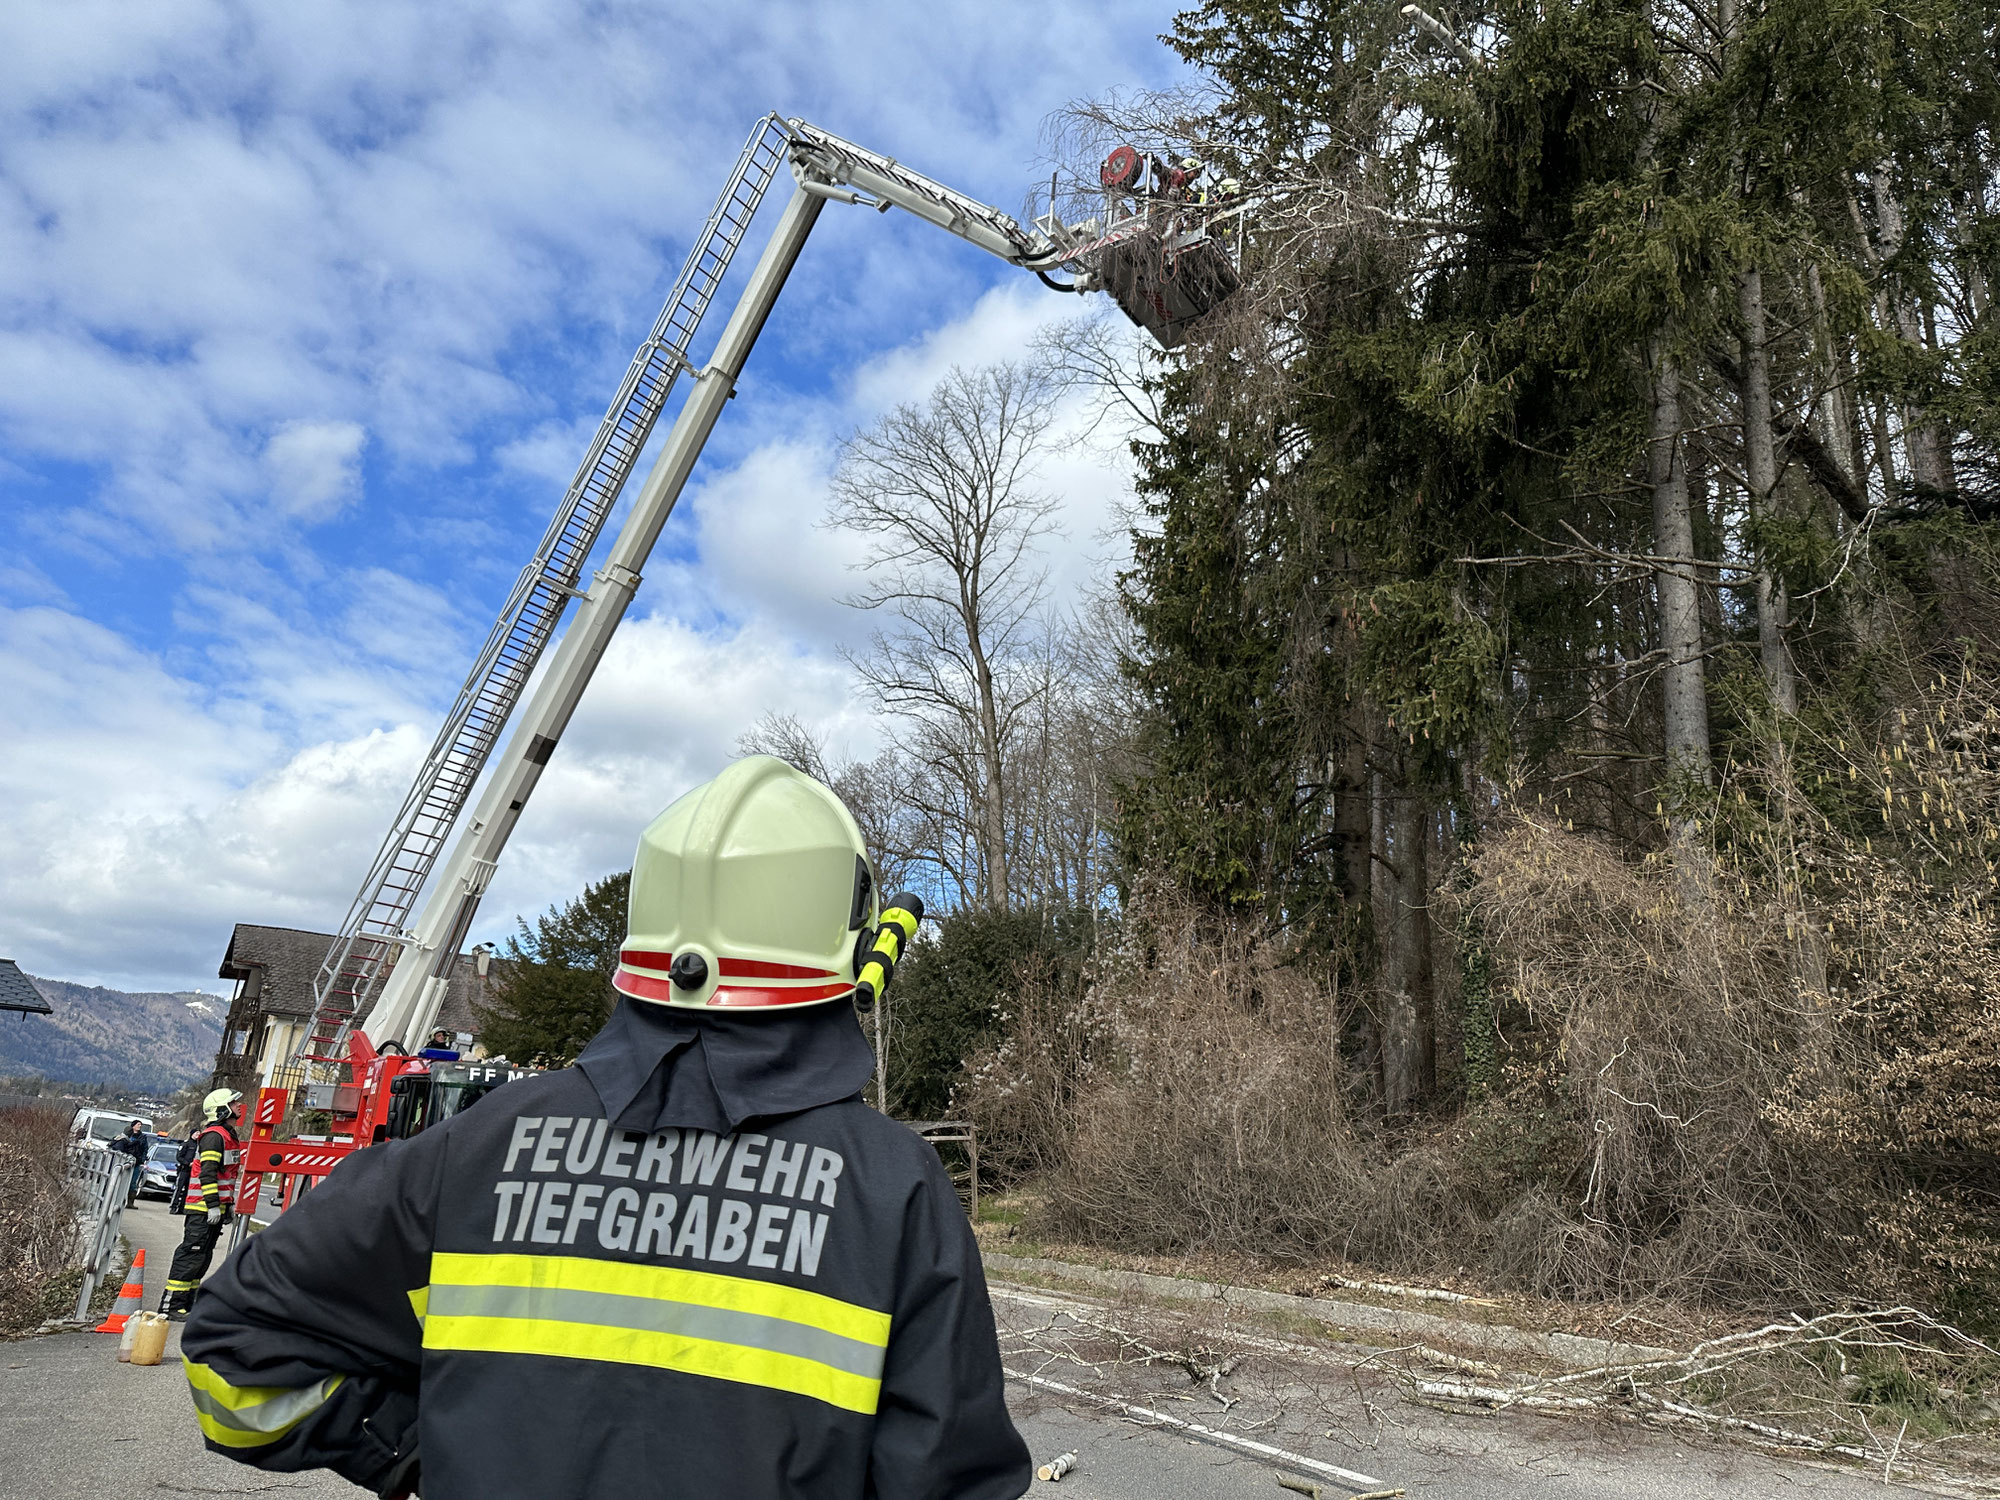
99	1179
958	1133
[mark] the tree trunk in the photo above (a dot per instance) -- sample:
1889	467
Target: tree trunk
1352	822
1969	210
1924	442
1403	929
1760	464
1885	450
1838	424
1684	687
1837	415
993	812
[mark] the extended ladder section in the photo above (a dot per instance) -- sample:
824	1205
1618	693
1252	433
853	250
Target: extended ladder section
374	928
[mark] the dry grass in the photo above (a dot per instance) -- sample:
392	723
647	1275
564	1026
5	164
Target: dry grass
37	1213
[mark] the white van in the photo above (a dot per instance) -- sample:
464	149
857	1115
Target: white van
100	1127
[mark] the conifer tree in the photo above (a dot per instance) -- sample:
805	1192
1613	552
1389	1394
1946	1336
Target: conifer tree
557	994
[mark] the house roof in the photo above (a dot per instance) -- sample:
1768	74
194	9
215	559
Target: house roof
290	958
18	992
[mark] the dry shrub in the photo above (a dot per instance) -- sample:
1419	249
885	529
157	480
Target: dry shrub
1021	1090
1907	1105
1884	840
1786	1067
1665	1124
1769	1080
38	1238
1200	1102
1657	1026
1200	1105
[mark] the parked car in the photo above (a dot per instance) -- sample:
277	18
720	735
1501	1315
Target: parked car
157	1181
100	1127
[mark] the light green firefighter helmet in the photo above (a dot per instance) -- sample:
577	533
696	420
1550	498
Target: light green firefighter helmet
216	1101
749	892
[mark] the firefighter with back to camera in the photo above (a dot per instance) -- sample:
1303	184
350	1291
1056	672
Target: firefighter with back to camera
208	1199
694	1264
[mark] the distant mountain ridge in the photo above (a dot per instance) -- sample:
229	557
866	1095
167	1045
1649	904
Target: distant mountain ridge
149	1039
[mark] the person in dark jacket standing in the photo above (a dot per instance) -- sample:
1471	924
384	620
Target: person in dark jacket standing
137	1145
210	1201
693	1264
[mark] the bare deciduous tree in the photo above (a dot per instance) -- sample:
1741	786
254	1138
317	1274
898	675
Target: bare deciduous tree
945	489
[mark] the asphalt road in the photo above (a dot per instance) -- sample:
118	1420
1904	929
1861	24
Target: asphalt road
77	1425
1321	1406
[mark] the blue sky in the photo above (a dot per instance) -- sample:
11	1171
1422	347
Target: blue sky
306	314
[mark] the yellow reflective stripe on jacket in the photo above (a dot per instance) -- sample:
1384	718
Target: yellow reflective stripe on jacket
419	1301
251	1416
696	1322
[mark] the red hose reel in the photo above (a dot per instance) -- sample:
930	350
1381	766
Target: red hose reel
1121	168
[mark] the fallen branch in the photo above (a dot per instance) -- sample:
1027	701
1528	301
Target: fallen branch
1393	1289
1300	1487
1657	1390
1146	1416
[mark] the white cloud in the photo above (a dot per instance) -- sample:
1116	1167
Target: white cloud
550	451
222	223
314	468
135	808
762	552
159	813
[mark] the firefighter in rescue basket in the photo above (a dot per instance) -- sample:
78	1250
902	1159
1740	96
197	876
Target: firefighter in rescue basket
693	1264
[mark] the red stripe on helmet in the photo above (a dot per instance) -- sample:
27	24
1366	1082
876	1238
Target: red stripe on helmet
645	987
639	958
741	995
639	987
756	968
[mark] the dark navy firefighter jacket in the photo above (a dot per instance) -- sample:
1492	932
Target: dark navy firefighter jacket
694	1264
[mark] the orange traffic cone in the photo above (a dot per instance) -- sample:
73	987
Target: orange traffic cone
130	1296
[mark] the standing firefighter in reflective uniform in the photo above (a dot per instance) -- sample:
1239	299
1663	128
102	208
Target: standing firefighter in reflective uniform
210	1200
694	1264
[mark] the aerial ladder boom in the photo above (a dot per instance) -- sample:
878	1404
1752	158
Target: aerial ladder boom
825	167
372	936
